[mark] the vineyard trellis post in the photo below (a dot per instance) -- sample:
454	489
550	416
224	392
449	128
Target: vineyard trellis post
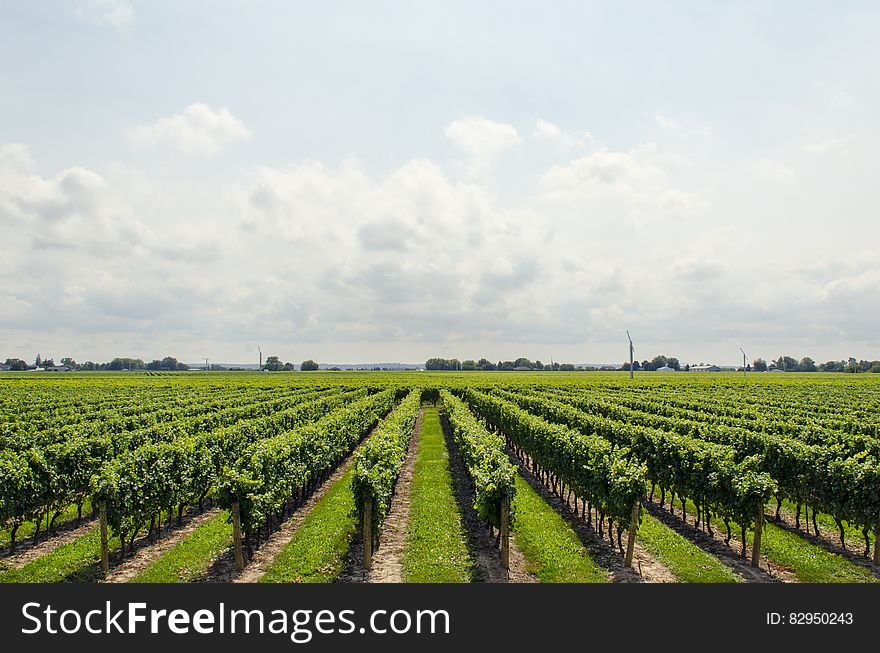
505	533
877	544
368	533
633	527
756	544
236	536
105	552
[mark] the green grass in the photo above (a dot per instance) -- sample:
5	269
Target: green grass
854	539
810	563
27	529
190	557
77	561
436	543
688	562
316	553
552	550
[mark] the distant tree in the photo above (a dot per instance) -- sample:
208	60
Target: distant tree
88	366
289	367
273	364
506	365
443	364
875	367
39	361
486	365
308	366
852	365
759	365
687	368
787	364
673	363
565	367
49	362
469	366
807	364
523	362
118	364
67	360
16	365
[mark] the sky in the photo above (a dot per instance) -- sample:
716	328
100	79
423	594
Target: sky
391	181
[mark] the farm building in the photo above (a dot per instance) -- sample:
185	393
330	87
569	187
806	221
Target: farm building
705	368
665	368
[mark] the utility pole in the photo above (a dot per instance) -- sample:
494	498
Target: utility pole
206	364
631	350
744	362
261	358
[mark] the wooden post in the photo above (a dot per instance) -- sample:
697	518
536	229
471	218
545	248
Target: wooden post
368	533
236	536
756	544
633	527
877	544
505	533
105	551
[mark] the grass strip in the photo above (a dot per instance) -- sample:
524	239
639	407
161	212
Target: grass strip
436	544
854	538
27	528
191	557
316	553
688	562
76	561
810	563
552	550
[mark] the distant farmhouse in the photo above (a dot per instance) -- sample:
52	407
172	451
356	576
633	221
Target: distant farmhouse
703	367
665	368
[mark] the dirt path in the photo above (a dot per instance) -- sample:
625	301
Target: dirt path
388	557
26	552
715	545
143	557
482	546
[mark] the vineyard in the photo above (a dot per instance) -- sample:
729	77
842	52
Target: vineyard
440	477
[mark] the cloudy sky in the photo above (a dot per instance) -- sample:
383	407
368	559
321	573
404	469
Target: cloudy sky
388	181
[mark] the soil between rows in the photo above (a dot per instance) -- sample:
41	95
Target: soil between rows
387	564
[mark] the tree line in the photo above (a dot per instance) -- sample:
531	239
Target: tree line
454	364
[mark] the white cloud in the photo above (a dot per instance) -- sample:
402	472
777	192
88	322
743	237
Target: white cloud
610	185
820	147
682	129
482	139
197	130
547	131
119	14
773	171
